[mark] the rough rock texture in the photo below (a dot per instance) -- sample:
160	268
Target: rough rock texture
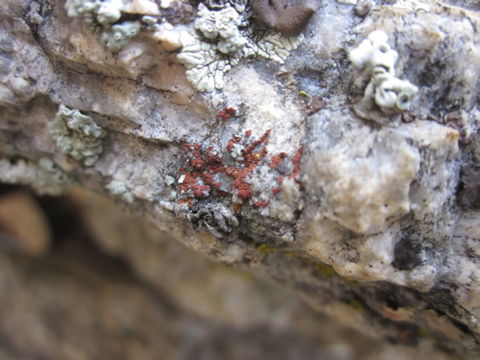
264	165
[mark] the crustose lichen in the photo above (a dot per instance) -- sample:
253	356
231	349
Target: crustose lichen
223	37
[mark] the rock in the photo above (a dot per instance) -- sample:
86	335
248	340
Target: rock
286	16
217	135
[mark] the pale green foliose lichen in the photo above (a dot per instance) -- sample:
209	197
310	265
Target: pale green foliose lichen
119	35
224	37
43	175
385	94
120	190
104	15
77	135
109	11
35	13
103	12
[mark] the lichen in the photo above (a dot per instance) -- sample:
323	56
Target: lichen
103	12
218	219
120	35
224	36
385	94
43	175
103	16
120	190
35	13
77	135
223	26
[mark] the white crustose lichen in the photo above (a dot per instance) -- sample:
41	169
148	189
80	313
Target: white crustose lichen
223	37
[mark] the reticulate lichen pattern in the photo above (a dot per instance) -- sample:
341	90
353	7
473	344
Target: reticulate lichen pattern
224	37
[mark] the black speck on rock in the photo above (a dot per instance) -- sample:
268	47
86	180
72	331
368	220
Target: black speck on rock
407	254
288	17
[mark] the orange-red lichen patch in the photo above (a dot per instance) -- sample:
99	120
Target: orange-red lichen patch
277	159
205	165
297	158
226	114
261	204
208	174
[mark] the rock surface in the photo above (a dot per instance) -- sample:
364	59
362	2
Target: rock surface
244	145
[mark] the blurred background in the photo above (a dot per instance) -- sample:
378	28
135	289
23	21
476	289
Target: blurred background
81	278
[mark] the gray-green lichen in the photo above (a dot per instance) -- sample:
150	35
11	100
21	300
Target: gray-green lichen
103	12
103	16
385	94
77	135
119	35
224	37
42	175
120	190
